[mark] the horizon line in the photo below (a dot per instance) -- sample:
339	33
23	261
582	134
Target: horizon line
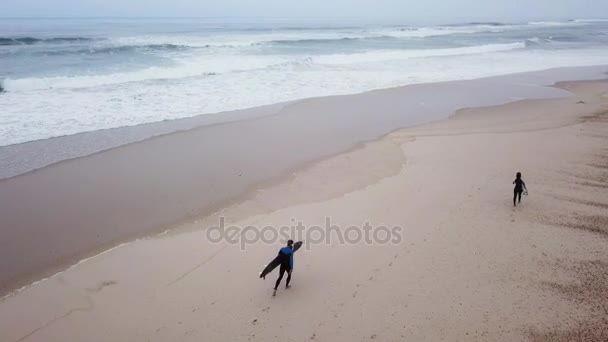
261	17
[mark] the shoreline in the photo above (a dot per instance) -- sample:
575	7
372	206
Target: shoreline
531	273
236	194
38	151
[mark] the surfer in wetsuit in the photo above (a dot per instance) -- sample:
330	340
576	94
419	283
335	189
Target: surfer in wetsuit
286	255
520	185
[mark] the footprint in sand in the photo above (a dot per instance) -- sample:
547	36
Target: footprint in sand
101	286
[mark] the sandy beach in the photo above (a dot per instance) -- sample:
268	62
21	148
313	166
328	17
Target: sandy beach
94	196
468	265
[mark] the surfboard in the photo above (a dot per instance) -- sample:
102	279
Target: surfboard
297	246
277	261
270	267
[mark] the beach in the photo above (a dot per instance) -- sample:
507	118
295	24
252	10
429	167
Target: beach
87	201
467	264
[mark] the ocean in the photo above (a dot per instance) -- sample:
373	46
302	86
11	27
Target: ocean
65	76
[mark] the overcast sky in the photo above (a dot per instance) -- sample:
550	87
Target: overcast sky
410	10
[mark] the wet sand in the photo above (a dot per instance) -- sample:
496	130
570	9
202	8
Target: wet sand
56	215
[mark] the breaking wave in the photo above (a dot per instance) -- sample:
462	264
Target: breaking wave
382	56
221	65
32	40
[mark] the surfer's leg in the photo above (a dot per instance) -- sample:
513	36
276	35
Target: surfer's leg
514	197
519	196
288	279
281	272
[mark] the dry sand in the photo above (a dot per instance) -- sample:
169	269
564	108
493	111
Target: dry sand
470	266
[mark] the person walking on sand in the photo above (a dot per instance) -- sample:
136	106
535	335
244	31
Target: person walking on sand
286	258
520	186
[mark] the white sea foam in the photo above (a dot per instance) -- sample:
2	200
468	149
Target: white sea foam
599	20
556	23
423	32
212	65
190	67
250	40
381	56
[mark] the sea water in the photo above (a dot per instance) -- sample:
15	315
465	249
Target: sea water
65	76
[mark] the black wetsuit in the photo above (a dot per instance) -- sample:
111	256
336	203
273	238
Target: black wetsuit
519	188
286	254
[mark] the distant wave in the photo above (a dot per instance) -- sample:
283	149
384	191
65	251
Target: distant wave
32	40
202	66
291	36
206	66
382	56
423	32
88	81
148	47
480	23
295	37
311	41
389	33
590	20
555	23
537	41
488	23
113	49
